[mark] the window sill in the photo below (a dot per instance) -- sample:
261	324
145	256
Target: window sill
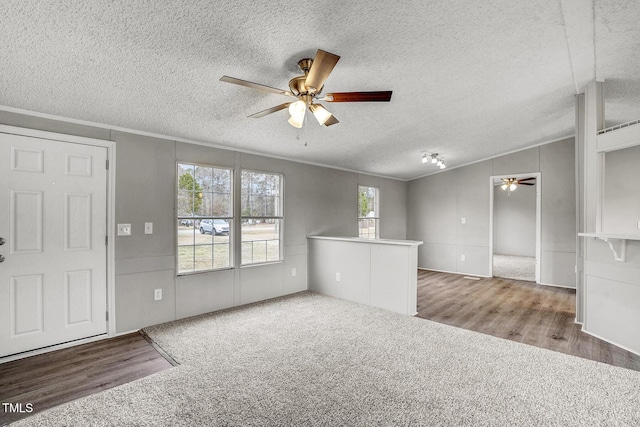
192	273
260	264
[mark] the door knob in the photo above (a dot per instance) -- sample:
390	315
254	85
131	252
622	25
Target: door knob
1	258
2	241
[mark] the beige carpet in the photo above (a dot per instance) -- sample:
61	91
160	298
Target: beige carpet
312	360
514	267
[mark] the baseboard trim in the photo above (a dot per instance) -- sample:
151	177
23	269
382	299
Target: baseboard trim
557	286
609	341
453	272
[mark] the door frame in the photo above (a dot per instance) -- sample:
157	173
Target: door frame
110	226
536	175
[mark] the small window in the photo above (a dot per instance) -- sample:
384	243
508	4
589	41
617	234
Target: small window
204	218
368	217
261	217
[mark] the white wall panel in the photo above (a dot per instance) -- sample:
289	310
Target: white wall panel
203	293
612	311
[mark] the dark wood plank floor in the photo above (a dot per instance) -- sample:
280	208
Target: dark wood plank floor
516	310
49	379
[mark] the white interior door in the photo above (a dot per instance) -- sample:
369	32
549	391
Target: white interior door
53	211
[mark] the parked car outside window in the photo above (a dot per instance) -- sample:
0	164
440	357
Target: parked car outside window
211	226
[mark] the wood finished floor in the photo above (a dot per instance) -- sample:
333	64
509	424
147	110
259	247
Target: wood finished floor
50	379
516	310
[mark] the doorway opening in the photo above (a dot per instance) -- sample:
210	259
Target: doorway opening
514	228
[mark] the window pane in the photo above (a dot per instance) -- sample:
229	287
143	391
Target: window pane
203	257
367	228
221	255
221	181
260	240
260	194
185	259
185	203
185	177
273	250
367	203
186	232
221	204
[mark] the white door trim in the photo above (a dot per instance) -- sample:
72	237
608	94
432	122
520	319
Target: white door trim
111	185
536	175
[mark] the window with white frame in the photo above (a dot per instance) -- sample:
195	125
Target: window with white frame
368	217
204	218
261	217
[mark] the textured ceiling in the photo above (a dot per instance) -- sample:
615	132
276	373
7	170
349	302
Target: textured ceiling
470	79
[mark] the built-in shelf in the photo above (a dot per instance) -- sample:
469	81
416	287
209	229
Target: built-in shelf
613	240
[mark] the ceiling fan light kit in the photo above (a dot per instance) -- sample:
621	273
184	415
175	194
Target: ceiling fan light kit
306	89
511	184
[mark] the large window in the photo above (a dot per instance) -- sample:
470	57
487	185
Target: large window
261	217
205	218
368	219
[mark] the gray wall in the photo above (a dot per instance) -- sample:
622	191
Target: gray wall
514	221
621	204
437	203
317	201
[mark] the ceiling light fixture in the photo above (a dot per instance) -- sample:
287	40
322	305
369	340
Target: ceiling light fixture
297	110
509	184
435	160
321	113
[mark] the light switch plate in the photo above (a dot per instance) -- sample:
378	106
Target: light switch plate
124	229
148	228
157	294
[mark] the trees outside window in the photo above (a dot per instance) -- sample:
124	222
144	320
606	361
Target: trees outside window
368	218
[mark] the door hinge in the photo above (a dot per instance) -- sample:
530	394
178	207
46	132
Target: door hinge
107	165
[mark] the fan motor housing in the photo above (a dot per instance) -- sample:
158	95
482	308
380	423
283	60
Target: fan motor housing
297	86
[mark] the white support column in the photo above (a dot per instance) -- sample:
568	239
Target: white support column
589	164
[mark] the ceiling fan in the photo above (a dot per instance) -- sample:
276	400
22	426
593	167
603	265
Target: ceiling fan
306	90
512	183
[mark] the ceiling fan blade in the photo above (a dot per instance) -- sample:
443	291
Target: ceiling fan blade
331	121
526	179
257	86
524	183
270	110
323	64
384	96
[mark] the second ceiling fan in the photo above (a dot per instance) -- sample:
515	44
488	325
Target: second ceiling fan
306	89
